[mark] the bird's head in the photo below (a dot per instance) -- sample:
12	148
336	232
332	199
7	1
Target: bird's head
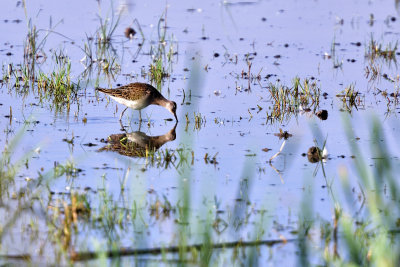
171	106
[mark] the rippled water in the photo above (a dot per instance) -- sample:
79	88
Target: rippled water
213	43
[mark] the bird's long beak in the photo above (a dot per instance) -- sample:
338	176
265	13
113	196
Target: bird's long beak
176	118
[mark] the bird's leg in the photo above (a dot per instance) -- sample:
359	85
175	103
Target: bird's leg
122	113
140	116
122	126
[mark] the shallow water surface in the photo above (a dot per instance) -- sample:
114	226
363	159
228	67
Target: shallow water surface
222	60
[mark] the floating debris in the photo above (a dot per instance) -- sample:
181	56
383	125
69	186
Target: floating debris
314	154
90	144
322	114
283	134
129	32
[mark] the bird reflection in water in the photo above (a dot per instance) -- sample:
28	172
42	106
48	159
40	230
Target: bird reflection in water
136	144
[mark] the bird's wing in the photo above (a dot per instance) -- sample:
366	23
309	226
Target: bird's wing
132	91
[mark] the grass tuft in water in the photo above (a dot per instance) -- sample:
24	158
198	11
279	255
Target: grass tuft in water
163	54
377	50
58	86
288	100
351	98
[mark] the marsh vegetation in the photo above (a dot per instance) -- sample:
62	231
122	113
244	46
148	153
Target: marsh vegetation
254	173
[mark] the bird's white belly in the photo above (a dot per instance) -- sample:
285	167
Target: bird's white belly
134	104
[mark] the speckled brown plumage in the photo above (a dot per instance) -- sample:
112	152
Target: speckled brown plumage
133	91
138	96
137	144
